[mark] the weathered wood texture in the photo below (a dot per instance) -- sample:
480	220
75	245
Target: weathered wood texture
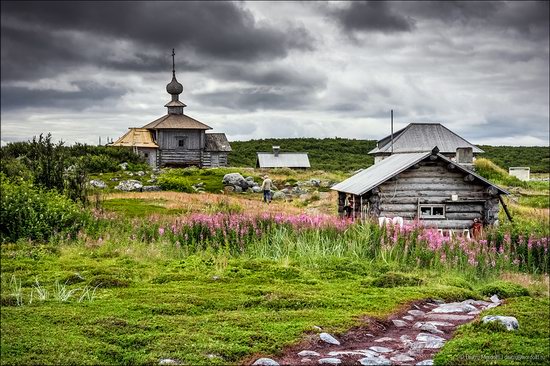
214	159
168	139
434	182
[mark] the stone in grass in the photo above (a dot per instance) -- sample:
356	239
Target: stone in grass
381	349
428	362
495	299
325	337
430	340
168	361
450	317
380	360
304	360
399	323
401	358
455	307
509	322
330	361
409	318
306	353
264	361
427	327
416	313
365	353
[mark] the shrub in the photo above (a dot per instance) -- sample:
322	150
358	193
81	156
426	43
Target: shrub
396	279
504	289
33	213
99	163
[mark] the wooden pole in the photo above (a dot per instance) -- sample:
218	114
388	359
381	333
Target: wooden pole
505	208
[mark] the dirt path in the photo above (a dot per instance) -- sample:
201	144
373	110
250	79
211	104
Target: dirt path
410	337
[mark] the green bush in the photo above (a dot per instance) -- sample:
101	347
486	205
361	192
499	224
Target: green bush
100	163
33	213
503	289
396	279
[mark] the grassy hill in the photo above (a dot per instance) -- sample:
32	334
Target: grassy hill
351	154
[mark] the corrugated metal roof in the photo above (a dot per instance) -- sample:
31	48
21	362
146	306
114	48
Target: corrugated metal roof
217	142
138	137
283	160
420	137
377	174
177	121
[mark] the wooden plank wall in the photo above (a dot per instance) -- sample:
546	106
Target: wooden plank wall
433	182
168	139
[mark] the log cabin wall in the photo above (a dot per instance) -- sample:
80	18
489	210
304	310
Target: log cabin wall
171	153
432	183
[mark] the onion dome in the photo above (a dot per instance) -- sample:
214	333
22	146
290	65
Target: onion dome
174	87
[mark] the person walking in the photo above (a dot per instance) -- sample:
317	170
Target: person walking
347	205
266	187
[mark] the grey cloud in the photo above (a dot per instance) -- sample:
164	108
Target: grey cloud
372	16
87	95
252	99
219	30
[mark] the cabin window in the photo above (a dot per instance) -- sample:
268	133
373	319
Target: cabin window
431	211
181	141
146	155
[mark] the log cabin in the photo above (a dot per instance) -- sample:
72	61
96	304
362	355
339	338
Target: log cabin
441	189
177	139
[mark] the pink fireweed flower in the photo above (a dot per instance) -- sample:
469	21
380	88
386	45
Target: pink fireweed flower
161	230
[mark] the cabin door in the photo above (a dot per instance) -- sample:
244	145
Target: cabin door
215	162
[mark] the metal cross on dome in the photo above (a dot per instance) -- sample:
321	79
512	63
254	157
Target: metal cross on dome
173	64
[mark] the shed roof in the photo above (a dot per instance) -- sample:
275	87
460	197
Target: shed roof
377	174
217	142
178	122
138	137
422	137
282	160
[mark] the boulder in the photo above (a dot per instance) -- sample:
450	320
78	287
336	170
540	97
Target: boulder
454	307
141	173
235	180
417	313
510	322
238	189
256	189
307	353
279	195
123	166
325	337
129	185
399	323
264	361
97	183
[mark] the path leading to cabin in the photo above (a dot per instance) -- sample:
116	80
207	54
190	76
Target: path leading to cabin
411	337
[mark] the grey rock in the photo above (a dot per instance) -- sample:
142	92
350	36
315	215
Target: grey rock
430	340
399	323
317	328
249	179
329	361
427	327
168	361
129	185
140	173
476	302
440	324
449	317
97	183
495	299
405	338
510	322
151	180
114	179
304	360
492	305
438	301
380	349
384	339
256	189
238	189
325	337
409	318
401	358
380	360
306	353
235	179
428	362
228	189
151	189
314	182
454	307
279	195
369	335
123	166
264	361
417	313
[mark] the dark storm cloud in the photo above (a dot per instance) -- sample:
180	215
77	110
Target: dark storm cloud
54	34
253	99
372	16
87	95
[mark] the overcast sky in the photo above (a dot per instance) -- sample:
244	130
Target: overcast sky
81	70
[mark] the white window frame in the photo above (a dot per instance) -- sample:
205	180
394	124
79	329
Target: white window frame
431	215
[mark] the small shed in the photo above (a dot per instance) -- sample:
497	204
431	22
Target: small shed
278	159
425	186
141	140
521	172
216	150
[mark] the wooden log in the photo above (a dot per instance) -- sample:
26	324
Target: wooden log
374	198
460	181
478	208
405	215
435	187
469	178
433	157
463	215
375	190
386	193
389	199
451	166
492	191
398	207
450	224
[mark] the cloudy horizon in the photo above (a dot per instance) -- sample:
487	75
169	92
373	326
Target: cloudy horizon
84	70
